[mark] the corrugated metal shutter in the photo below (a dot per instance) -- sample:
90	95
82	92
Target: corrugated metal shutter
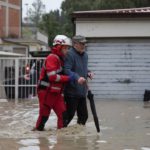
121	67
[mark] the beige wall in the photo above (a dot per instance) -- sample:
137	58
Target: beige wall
114	28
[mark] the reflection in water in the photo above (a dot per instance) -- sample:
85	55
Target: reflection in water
145	148
76	142
52	141
34	144
101	141
146	104
30	148
29	142
129	149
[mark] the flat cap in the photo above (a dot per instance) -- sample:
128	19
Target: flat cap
79	38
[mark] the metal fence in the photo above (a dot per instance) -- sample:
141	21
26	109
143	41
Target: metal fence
18	77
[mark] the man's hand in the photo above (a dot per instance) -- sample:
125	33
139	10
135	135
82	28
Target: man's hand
81	80
90	75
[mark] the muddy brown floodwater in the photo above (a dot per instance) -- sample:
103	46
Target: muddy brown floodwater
125	125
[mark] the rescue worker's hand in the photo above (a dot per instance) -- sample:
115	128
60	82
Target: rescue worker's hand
81	80
72	77
90	75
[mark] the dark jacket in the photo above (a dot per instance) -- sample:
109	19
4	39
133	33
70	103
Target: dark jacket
77	63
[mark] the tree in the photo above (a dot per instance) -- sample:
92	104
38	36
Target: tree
68	6
36	12
50	24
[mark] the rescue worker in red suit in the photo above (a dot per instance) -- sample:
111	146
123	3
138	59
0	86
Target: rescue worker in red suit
51	83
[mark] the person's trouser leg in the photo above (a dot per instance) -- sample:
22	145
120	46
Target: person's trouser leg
82	111
60	109
71	104
43	117
44	111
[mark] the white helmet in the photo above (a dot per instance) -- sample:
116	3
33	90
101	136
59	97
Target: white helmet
62	40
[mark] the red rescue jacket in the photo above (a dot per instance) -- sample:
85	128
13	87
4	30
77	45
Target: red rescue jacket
51	74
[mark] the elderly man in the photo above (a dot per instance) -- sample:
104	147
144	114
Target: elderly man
76	63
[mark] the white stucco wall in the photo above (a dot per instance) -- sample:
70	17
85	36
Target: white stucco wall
42	37
114	28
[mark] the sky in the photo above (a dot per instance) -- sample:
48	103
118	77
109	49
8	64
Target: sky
49	4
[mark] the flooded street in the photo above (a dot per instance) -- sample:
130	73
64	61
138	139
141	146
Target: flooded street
125	125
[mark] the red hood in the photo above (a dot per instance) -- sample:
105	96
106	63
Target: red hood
57	51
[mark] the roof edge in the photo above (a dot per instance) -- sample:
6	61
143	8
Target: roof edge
116	13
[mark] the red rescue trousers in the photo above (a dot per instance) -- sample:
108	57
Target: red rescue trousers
48	101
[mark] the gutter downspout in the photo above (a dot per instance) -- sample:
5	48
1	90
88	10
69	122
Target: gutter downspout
74	25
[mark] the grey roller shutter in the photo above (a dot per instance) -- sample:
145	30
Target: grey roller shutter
121	67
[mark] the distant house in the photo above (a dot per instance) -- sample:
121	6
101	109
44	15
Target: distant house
119	50
30	31
26	45
8	54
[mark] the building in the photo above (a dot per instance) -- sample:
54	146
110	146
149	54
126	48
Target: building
119	51
10	27
11	38
10	18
